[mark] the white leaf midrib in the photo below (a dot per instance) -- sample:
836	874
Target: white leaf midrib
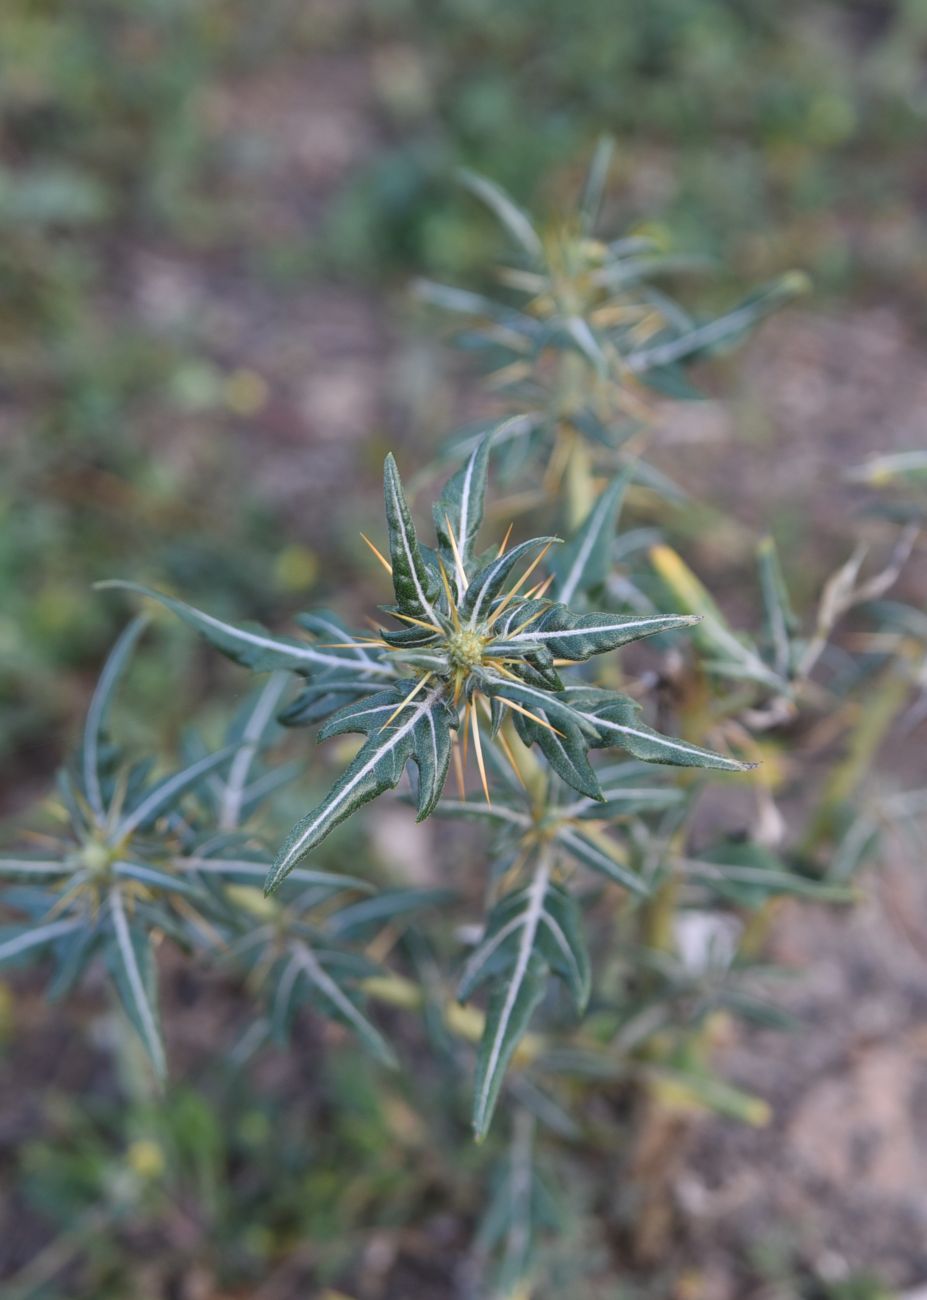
537	892
344	793
654	623
397	503
136	983
679	746
571	581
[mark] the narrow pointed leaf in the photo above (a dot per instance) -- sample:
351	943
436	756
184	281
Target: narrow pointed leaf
167	792
340	1004
252	645
255	727
241	869
13	947
461	505
618	721
711	335
32	867
582	564
385	906
487	584
415	585
73	954
579	636
507	1018
595	856
595	182
477	811
510	215
778	616
579	331
132	963
99	708
154	878
466	303
420	732
623	800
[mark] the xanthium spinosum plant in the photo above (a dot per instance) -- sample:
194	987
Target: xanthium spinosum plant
583	330
476	659
596	870
473	640
140	859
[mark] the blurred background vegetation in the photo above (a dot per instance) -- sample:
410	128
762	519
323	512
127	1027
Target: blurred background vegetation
178	182
209	215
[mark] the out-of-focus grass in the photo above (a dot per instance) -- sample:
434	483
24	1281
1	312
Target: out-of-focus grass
105	142
772	135
769	134
232	1184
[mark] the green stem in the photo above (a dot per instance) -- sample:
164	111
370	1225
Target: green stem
878	711
580	483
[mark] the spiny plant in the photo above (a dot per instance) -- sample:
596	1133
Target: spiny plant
111	879
583	331
616	917
139	859
468	645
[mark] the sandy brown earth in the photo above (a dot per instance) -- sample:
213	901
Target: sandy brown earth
839	1174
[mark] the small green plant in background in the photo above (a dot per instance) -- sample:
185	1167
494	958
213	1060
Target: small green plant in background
583	331
591	873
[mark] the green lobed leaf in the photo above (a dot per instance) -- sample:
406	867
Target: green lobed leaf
617	719
461	504
555	706
557	935
431	748
251	645
415	585
508	1015
530	932
566	635
565	750
420	732
476	606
